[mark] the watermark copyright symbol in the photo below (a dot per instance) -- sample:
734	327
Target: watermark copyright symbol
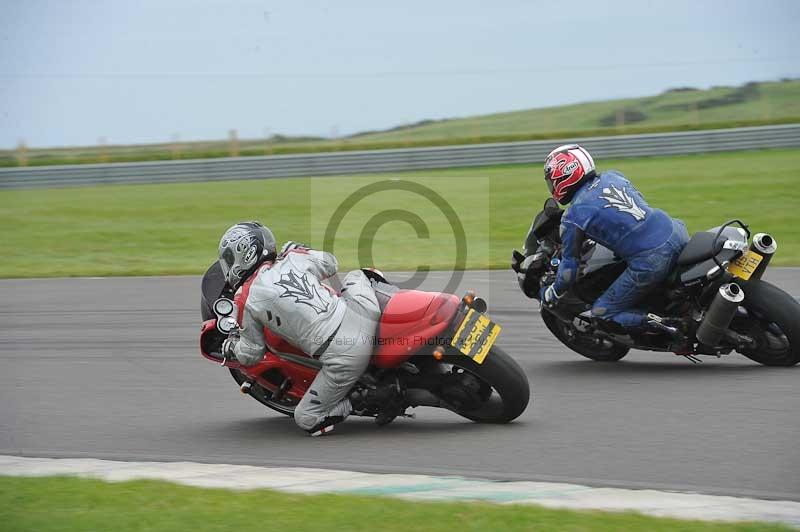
371	227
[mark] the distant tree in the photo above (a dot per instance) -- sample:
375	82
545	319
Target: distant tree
626	116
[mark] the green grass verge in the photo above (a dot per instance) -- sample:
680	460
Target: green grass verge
72	504
753	104
174	228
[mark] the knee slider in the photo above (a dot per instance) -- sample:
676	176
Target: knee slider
303	420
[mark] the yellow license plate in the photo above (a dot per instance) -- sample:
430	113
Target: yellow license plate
744	266
475	336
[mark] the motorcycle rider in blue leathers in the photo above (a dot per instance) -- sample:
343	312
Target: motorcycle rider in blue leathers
609	210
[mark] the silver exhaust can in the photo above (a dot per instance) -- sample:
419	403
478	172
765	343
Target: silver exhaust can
764	245
720	314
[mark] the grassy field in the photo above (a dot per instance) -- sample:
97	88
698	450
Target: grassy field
673	109
72	504
174	228
749	105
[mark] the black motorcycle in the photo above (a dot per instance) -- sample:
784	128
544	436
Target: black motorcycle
713	303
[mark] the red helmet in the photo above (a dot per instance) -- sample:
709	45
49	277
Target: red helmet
565	168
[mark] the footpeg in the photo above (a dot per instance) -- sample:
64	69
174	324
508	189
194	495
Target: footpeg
671	331
657	323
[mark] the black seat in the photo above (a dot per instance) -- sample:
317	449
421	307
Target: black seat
701	247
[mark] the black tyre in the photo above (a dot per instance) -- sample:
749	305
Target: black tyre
773	321
505	391
584	344
264	396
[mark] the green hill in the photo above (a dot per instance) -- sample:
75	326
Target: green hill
676	109
679	108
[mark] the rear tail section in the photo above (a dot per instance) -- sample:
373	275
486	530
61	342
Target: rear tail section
411	321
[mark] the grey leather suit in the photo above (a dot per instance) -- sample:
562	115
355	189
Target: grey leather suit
290	299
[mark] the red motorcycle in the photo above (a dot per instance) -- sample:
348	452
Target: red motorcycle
435	349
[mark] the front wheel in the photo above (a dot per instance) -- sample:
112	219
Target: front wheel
499	383
773	321
600	350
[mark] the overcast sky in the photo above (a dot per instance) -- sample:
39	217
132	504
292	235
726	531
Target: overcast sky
144	71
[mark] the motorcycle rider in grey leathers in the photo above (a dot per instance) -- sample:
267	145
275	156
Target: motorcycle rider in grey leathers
288	297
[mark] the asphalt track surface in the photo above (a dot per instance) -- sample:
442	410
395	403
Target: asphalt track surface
109	368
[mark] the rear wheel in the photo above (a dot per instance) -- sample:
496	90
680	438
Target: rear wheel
284	406
496	391
588	345
773	322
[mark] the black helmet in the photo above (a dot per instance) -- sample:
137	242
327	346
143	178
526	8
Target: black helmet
242	249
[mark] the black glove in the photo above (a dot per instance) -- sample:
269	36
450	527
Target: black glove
229	345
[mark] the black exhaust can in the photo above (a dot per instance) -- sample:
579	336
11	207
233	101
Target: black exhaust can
720	314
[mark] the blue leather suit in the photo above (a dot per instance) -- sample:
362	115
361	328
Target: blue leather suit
609	210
